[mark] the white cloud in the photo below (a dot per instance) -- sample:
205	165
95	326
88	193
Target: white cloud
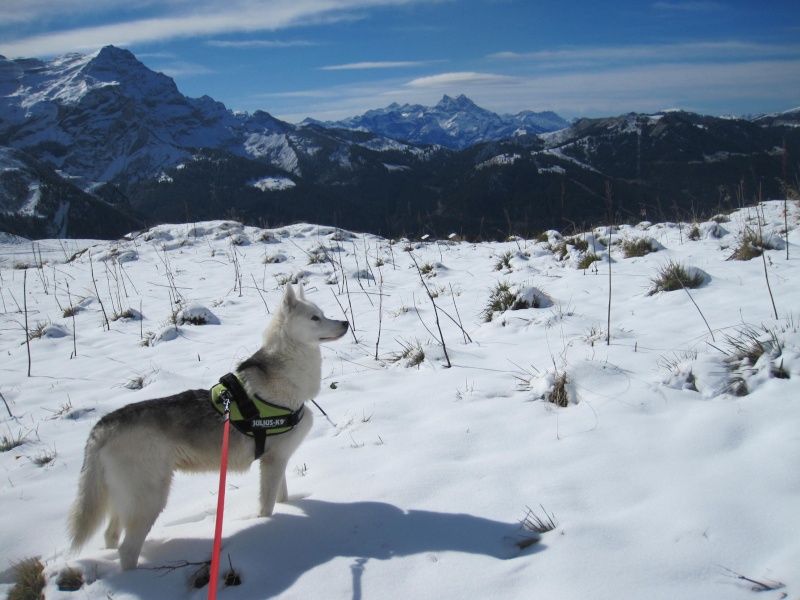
181	68
374	65
461	78
688	6
175	20
706	88
246	44
732	49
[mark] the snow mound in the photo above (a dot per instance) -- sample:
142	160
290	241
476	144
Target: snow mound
195	314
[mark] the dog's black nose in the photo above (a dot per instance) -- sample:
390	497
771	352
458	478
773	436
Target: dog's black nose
345	324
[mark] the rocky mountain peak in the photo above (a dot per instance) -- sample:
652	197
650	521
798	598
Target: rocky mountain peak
459	103
455	123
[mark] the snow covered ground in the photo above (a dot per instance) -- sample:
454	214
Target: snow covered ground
672	471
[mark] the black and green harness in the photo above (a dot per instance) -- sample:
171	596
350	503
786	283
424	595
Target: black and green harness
252	415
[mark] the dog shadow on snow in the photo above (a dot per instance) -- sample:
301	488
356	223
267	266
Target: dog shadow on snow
274	553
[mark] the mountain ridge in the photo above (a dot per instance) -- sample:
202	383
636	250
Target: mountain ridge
456	123
126	138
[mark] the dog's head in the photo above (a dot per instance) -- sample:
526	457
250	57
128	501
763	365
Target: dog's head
304	322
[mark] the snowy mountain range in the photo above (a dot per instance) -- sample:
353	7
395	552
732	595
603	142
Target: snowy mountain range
107	117
454	123
100	145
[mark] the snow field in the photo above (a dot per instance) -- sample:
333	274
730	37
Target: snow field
659	477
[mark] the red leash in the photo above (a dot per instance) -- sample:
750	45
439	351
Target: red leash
223	472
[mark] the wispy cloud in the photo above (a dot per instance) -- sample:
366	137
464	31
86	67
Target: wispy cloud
732	49
248	44
459	79
178	19
375	65
182	68
710	88
688	6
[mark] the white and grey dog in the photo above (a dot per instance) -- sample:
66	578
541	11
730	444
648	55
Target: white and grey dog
132	452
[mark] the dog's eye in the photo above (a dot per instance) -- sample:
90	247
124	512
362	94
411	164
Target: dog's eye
315	318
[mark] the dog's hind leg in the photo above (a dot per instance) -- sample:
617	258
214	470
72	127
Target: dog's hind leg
131	547
138	493
113	531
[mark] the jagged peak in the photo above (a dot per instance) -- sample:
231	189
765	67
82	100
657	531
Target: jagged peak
114	60
111	52
460	102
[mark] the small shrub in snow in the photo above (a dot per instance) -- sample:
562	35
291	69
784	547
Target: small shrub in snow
674	276
559	249
536	524
165	334
140	380
428	270
9	442
559	395
750	344
757	241
579	243
501	299
239	239
37	332
44	458
505	297
754	351
47	330
504	261
340	235
275	258
411	352
594	334
550	386
128	314
632	248
69	580
196	315
201	576
71	311
267	238
30	580
61	411
283	279
749	246
587	260
231	578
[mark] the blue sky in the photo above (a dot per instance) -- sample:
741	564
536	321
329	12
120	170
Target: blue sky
330	59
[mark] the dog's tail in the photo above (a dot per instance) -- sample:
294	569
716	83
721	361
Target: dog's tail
91	504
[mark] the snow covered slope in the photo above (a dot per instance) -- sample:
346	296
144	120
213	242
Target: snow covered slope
668	464
107	117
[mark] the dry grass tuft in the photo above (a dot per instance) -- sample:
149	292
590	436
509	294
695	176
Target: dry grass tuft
30	580
674	276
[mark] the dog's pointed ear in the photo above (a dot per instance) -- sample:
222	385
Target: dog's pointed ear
301	292
289	299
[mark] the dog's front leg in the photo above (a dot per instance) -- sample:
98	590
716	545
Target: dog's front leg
273	484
